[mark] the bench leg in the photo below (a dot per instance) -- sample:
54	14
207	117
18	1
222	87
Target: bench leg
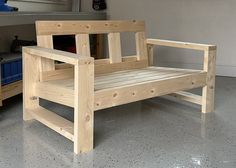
83	108
30	76
208	91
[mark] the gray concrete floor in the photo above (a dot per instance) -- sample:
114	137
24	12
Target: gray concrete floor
152	133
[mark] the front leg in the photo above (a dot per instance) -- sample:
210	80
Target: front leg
208	91
83	107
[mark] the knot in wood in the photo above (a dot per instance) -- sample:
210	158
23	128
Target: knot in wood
87	118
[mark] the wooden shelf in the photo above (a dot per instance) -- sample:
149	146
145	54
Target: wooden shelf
10	90
22	18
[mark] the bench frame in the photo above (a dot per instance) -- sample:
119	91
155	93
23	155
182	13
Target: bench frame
39	66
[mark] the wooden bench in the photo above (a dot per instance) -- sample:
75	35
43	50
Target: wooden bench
89	85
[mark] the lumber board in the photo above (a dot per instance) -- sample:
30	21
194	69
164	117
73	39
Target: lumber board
141	47
31	75
63	66
177	44
135	78
55	93
82	45
122	76
132	58
108	68
102	61
46	41
208	92
62	56
64	70
150	54
11	89
83	108
173	69
114	45
87	27
129	58
156	71
53	121
57	74
187	96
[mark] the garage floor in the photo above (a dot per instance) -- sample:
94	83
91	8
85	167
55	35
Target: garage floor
152	133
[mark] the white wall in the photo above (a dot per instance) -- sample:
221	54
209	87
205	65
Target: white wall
203	21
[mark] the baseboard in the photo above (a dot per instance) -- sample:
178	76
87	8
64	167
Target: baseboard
221	70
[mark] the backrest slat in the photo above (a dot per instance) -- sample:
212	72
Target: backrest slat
114	47
82	44
141	48
47	42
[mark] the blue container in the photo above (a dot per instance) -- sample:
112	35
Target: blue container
11	68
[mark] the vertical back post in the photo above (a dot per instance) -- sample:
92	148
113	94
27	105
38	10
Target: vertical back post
141	46
114	44
208	92
82	44
46	41
150	54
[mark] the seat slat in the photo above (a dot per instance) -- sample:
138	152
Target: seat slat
125	75
137	79
138	73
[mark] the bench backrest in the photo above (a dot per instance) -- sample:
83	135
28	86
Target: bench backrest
81	29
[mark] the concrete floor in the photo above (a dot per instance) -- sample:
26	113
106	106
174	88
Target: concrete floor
152	133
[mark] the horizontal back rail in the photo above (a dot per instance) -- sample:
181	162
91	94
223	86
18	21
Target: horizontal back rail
68	72
87	27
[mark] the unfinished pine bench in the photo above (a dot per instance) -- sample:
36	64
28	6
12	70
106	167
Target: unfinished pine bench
88	85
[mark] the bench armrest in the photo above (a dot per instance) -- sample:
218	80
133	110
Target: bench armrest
209	50
58	55
177	44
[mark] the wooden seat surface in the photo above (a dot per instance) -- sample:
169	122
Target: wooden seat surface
115	88
127	77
